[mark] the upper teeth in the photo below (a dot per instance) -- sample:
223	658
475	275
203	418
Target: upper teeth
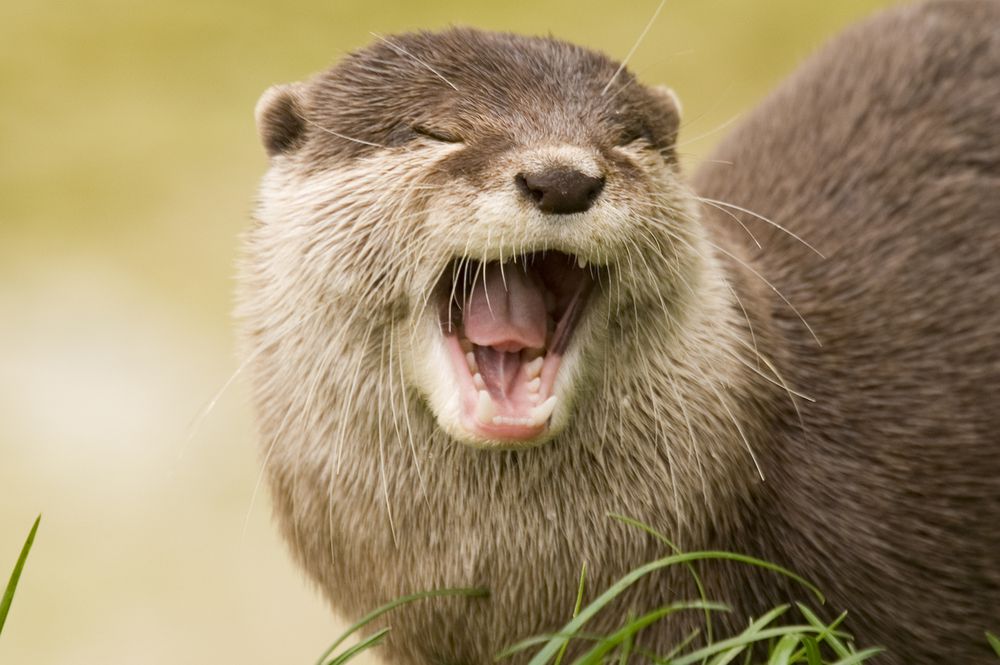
582	262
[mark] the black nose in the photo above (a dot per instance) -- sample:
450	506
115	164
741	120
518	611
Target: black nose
560	191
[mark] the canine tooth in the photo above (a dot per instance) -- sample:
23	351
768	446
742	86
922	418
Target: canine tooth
541	413
477	380
582	262
471	359
534	368
535	384
485	410
534	398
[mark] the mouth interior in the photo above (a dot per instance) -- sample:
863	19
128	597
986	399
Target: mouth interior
506	326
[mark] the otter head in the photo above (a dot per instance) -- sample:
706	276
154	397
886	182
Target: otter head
484	216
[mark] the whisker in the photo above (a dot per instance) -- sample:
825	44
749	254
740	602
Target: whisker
736	219
399	49
635	46
379	417
195	425
663	227
739	428
772	287
320	127
718	128
763	219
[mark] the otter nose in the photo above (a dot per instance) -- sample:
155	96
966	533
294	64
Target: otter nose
560	191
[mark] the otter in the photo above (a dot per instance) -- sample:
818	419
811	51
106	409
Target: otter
483	309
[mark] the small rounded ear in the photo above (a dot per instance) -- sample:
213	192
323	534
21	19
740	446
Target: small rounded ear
279	117
667	112
668	97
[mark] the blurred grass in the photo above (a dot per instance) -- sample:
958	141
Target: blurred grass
15	576
128	160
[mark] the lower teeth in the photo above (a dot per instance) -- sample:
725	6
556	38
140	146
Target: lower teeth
541	413
486	412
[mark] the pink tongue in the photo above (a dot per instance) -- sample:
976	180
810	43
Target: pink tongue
506	310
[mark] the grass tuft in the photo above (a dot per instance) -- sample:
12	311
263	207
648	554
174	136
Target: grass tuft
810	641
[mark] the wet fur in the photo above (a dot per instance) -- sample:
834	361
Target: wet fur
882	152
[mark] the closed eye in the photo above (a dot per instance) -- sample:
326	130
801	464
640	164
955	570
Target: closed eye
634	135
436	134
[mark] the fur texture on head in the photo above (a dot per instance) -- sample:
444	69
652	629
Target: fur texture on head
684	381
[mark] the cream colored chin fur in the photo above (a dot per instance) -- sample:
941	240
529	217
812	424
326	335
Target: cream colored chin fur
374	492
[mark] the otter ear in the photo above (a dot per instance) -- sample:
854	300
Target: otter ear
669	99
279	118
667	122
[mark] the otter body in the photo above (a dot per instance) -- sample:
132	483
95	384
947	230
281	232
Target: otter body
465	214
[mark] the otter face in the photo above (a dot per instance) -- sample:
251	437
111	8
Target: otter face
487	208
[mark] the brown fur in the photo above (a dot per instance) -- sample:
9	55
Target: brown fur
882	152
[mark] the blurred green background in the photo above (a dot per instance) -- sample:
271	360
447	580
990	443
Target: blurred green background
128	161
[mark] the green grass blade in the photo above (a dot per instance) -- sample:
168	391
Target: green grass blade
782	653
827	633
403	600
994	642
526	644
810	651
860	656
690	566
15	576
740	641
576	607
372	640
684	643
628	631
550	649
626	651
743	641
729	656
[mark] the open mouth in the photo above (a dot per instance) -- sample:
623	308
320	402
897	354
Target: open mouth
506	328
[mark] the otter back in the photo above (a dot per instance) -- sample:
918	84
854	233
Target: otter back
884	152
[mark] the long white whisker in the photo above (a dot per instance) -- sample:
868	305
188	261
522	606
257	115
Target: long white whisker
379	417
763	219
400	49
635	46
320	127
736	219
196	423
